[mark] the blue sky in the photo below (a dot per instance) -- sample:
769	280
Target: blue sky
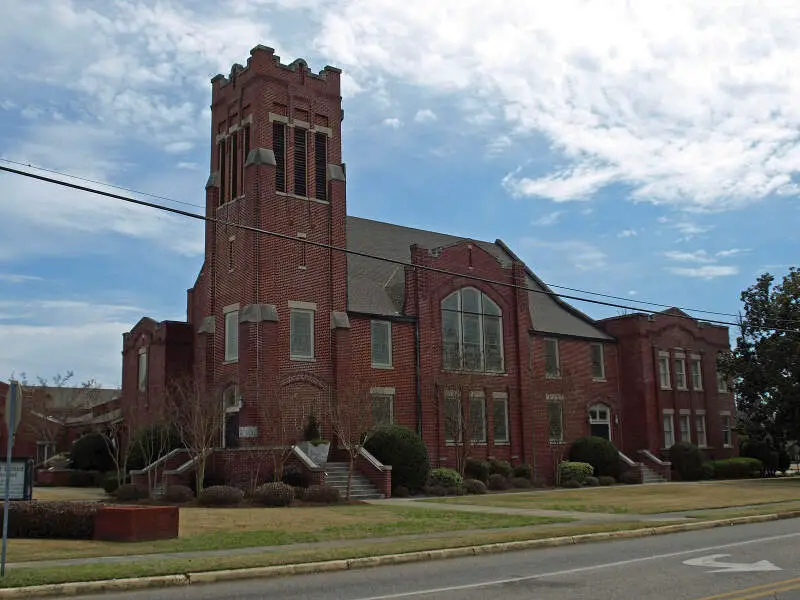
648	152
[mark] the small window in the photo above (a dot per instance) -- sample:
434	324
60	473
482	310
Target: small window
500	416
452	416
722	382
700	426
598	362
555	418
301	325
697	373
382	409
727	440
552	362
381	344
669	430
686	428
663	370
477	417
232	335
142	370
680	373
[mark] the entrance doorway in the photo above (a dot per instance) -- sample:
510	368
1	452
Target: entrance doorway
600	421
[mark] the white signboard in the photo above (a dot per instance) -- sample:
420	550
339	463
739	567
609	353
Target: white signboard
249	431
17	481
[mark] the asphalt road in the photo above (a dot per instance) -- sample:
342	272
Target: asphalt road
732	563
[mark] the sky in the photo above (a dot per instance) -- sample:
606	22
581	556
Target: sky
639	149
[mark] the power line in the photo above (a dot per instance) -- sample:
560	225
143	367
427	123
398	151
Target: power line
347	250
552	285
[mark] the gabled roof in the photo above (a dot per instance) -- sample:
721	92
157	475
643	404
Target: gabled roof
378	287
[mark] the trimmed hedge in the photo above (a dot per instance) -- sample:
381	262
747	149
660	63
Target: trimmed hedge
445	477
606	480
523	470
598	452
500	467
273	494
737	468
178	494
477	469
497	482
475	486
405	451
521	482
574	471
687	461
129	492
322	494
220	495
52	520
591	481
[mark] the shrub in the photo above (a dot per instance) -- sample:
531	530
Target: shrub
273	494
90	453
521	482
130	492
151	443
299	492
606	480
687	461
598	452
591	481
52	520
498	482
436	490
322	494
571	483
499	467
629	478
178	494
737	468
475	486
784	461
707	471
456	490
110	482
523	470
312	432
405	451
295	477
400	491
445	478
220	495
477	469
574	471
85	479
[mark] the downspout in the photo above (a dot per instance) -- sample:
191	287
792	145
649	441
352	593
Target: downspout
417	374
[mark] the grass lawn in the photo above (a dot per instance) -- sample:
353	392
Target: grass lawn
68	493
646	499
223	528
142	568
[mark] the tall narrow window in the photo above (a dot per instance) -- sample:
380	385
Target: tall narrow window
222	171
500	417
232	335
301	335
142	369
381	334
680	372
382	407
727	440
472	332
686	428
663	370
279	143
321	166
669	430
231	241
552	363
722	382
300	162
245	148
477	417
700	426
697	373
452	416
598	362
235	166
555	417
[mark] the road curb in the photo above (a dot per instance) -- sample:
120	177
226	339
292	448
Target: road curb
116	585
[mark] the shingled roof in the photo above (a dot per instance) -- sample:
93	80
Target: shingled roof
378	287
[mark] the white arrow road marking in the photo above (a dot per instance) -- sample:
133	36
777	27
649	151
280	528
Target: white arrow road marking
729	567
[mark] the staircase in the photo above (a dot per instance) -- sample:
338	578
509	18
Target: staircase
650	476
362	489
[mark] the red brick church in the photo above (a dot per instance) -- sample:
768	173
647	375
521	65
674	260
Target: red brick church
272	315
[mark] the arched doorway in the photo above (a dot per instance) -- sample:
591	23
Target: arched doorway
600	421
231	405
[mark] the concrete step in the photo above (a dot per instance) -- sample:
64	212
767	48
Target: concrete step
337	474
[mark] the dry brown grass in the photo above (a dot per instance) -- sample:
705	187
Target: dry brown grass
647	499
68	493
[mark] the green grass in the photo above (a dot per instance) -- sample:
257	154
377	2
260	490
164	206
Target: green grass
222	529
146	567
643	500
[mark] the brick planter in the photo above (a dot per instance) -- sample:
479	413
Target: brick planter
136	523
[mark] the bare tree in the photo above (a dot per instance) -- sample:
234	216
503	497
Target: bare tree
285	415
351	418
117	437
562	407
198	416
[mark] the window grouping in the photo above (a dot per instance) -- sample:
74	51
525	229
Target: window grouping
232	152
472	332
307	148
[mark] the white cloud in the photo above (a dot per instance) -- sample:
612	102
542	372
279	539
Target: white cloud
189	166
729	253
548	219
425	115
178	147
393	122
632	292
17	278
498	145
698	256
705	272
626	233
580	255
714	127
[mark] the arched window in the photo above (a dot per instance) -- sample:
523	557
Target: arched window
472	332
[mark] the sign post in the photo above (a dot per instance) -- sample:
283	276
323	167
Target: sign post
12	415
